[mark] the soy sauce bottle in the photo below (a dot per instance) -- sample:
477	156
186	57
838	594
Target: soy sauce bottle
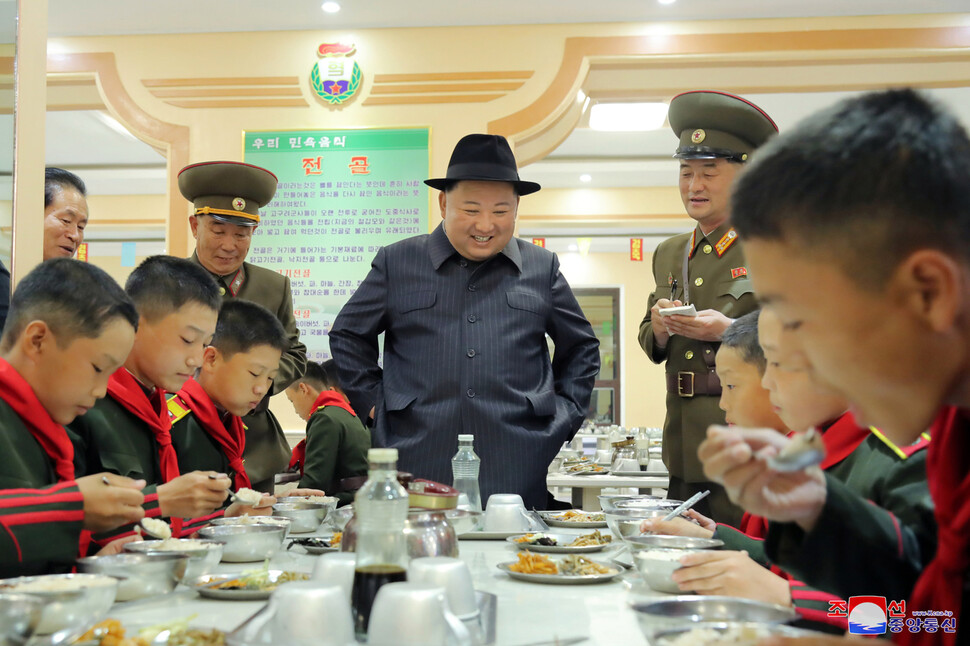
381	510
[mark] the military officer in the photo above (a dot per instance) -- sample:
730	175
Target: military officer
704	268
226	198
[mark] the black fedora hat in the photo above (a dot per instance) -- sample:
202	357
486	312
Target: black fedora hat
485	158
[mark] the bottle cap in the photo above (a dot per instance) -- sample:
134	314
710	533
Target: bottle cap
466	438
382	455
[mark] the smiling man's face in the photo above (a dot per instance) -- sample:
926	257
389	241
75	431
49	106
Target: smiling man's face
479	217
705	188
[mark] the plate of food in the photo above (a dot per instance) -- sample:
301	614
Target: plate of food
585	469
561	543
318	544
571	570
574	518
179	632
253	585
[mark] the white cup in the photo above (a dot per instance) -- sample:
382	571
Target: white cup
309	613
336	568
505	512
451	574
413	614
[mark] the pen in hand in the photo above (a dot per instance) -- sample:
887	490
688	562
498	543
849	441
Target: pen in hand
673	288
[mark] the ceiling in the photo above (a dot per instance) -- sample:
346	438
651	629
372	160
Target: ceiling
114	162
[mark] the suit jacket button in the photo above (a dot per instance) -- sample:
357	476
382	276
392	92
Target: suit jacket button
698	281
689	354
472	287
222	291
470	353
470	392
472	318
708	248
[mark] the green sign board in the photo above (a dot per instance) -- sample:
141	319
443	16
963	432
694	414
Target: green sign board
343	194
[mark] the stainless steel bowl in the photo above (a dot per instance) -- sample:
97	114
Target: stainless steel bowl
19	617
329	501
624	523
85	602
246	543
740	633
608	501
139	575
248	521
304	516
657	560
688	611
648	504
202	560
427	531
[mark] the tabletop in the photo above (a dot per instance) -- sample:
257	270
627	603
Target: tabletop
526	612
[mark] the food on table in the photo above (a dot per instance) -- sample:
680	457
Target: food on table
536	539
576	516
747	635
665	555
316	542
318	499
111	632
591	539
247	496
586	468
260	580
575	565
157	528
246	519
530	563
336	538
183	544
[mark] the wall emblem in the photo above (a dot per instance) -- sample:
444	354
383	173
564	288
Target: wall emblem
335	78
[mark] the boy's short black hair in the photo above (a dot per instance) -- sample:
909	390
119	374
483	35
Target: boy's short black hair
56	180
243	325
321	376
75	299
161	285
866	182
742	335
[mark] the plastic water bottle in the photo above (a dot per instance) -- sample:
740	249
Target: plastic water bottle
381	510
465	467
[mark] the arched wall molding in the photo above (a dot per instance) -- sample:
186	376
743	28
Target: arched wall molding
171	139
541	126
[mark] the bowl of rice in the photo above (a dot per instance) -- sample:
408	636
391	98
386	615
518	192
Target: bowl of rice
663	617
658	556
272	521
140	575
246	543
70	600
204	555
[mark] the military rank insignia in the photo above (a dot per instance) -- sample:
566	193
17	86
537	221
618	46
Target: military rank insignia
725	242
738	272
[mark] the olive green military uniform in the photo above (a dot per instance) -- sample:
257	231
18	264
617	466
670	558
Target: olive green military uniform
197	450
233	192
710	125
39	531
336	449
717	282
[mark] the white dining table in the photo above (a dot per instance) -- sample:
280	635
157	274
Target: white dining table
585	488
526	612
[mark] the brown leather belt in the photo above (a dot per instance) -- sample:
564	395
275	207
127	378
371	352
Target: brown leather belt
688	384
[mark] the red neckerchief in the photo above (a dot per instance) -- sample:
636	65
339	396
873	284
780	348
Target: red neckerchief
232	439
940	586
325	398
125	389
49	434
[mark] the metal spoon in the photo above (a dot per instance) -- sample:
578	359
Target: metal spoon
805	450
687	504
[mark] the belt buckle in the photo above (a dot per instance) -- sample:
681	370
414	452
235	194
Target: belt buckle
680	384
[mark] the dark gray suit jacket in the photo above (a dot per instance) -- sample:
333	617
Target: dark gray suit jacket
465	351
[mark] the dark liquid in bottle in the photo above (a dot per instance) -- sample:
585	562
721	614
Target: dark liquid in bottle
368	579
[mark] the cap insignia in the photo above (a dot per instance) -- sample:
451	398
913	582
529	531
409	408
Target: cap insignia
239	204
698	136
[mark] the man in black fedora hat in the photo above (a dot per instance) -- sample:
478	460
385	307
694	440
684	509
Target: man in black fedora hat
465	311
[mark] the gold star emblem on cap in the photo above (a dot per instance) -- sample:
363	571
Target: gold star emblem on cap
239	204
708	248
698	136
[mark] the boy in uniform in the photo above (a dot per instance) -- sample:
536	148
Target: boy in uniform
70	326
237	371
333	457
128	432
867	198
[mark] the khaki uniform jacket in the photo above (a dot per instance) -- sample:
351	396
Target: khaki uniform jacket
40	531
336	448
715	282
267	451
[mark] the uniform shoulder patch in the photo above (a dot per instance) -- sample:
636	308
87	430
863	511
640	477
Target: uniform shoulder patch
177	409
